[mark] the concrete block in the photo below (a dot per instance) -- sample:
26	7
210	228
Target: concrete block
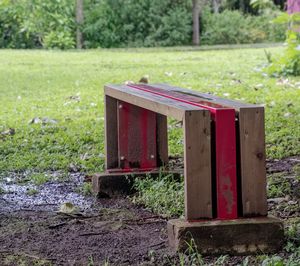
237	237
116	184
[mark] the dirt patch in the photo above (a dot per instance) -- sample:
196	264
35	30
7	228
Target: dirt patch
106	230
32	232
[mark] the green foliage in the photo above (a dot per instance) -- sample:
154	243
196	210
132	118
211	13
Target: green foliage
36	23
86	189
289	62
125	23
278	186
122	23
39	178
230	27
12	33
163	195
31	192
52	21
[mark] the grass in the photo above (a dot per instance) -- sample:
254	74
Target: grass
38	178
64	90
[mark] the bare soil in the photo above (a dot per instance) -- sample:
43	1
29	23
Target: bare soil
114	231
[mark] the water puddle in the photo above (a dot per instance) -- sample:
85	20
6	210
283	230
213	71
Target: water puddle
47	197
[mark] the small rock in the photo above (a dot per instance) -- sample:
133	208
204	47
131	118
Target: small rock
276	200
44	121
9	132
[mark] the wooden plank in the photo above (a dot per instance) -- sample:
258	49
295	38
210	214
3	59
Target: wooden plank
155	103
197	165
162	139
207	97
111	132
137	137
253	168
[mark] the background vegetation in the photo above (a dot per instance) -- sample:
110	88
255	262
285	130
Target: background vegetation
123	23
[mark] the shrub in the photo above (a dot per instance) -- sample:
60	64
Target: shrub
12	34
232	27
122	23
289	62
59	39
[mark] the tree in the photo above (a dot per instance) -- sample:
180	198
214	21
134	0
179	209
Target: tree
79	21
196	24
216	5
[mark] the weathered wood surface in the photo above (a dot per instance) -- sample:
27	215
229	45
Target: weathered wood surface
253	157
205	96
197	165
137	137
111	132
162	139
235	237
152	102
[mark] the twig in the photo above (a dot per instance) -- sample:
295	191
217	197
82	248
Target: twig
56	225
93	233
158	244
142	219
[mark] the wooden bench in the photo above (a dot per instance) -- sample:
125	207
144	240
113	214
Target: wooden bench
224	159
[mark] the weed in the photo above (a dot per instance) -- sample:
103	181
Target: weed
2	191
163	195
278	186
85	189
39	178
32	192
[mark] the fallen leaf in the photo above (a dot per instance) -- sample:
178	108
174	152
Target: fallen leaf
68	208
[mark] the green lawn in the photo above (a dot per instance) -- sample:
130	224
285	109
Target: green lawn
67	87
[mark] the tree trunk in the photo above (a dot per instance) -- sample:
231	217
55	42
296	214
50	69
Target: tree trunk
79	21
216	6
196	24
242	6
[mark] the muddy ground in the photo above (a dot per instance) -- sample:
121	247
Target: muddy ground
111	231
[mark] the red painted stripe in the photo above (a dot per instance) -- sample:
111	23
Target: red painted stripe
225	140
137	137
226	177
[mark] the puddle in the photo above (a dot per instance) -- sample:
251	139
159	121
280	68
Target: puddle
49	196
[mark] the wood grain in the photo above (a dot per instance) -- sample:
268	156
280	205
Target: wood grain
253	168
111	132
152	102
162	139
197	165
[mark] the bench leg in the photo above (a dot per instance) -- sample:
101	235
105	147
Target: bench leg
111	133
162	139
197	165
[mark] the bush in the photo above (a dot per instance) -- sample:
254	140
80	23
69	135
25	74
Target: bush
121	23
12	34
37	23
232	27
59	39
289	62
